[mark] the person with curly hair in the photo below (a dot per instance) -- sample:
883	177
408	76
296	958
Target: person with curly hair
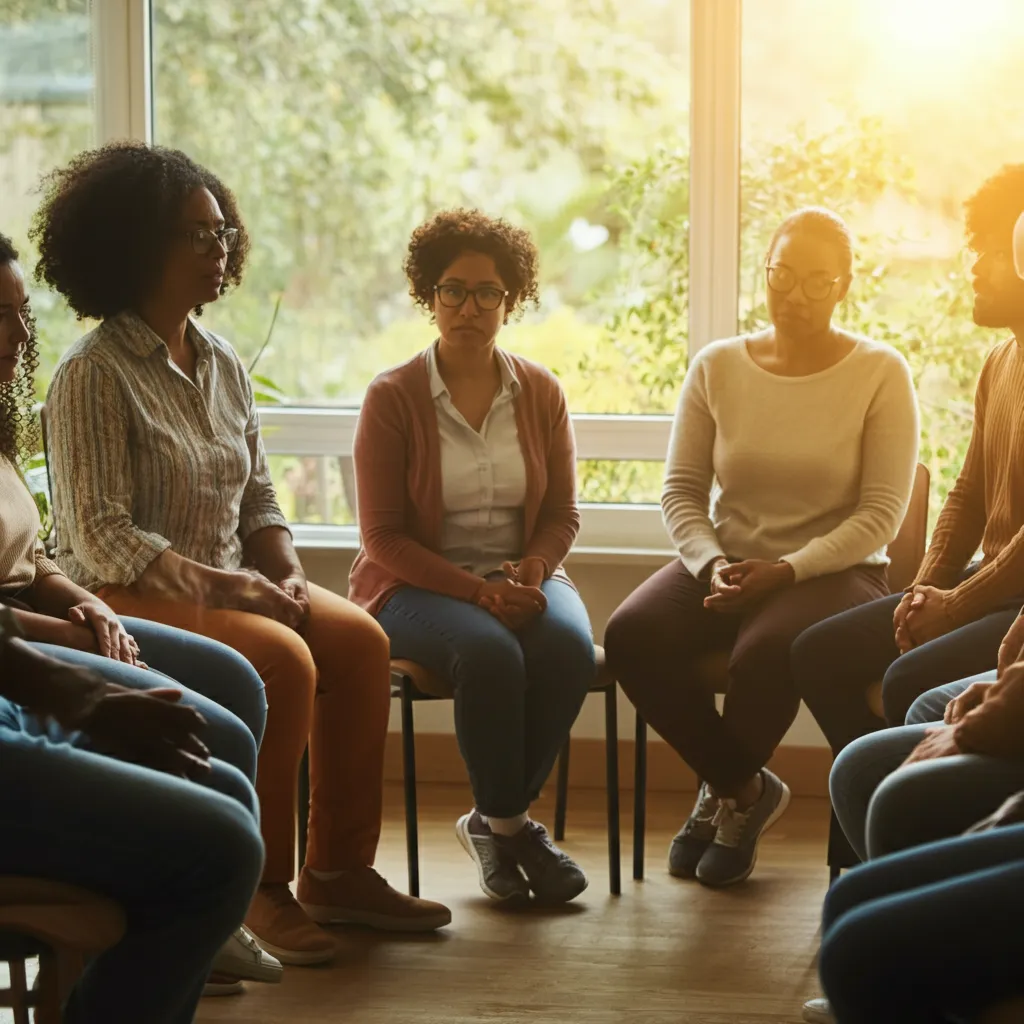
165	507
465	468
74	629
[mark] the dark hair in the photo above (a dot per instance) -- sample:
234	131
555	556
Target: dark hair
824	224
108	217
435	245
19	435
995	207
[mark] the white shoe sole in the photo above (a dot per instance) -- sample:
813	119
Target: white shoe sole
297	957
517	899
212	989
381	922
774	817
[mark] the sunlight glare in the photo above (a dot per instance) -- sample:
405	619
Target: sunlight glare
942	27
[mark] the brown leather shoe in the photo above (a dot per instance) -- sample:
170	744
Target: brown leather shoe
284	929
361	896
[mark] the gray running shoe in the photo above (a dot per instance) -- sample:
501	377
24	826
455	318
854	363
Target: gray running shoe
500	877
696	835
733	854
553	875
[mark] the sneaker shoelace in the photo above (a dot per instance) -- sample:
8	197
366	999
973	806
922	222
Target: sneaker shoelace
730	823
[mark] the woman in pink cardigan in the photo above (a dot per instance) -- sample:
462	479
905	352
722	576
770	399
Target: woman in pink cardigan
465	468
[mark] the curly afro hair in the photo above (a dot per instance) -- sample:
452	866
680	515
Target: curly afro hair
19	431
107	221
434	246
993	210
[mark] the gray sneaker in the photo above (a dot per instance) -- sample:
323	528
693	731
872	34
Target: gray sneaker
696	835
553	875
817	1011
733	854
500	877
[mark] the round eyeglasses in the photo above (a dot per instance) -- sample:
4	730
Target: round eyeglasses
487	297
816	286
202	239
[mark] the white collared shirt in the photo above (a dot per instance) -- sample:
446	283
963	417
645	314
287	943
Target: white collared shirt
483	477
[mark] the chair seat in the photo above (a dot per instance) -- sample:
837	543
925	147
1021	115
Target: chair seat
429	686
59	915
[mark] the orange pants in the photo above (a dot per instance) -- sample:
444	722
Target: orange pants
329	688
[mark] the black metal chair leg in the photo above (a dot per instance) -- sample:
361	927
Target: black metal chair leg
561	792
611	746
639	797
303	808
409	778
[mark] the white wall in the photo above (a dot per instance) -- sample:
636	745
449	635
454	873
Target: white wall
603	587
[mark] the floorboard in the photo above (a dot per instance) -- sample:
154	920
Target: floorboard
664	951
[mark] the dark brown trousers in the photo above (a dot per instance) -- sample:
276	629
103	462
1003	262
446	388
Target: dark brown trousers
656	636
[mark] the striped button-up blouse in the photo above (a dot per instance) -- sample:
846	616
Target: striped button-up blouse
143	459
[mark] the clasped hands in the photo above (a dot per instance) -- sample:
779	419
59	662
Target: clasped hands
515	600
920	616
735	586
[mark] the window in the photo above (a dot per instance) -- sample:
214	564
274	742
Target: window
46	116
356	121
891	114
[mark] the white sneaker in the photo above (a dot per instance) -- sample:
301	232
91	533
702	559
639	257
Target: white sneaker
817	1011
243	957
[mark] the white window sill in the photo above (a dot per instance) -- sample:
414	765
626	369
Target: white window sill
345	538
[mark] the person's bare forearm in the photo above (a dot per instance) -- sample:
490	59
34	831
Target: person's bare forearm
55	594
50	629
272	552
176	578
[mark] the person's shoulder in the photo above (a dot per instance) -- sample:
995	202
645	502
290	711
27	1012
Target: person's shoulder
878	353
722	351
397	385
532	374
91	349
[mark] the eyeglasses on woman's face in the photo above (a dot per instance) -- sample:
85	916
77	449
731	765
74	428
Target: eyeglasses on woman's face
202	239
487	297
816	286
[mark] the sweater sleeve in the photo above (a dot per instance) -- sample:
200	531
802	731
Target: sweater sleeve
91	471
558	521
689	473
961	523
996	726
888	461
380	461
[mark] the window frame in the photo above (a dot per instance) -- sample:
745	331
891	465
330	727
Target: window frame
122	40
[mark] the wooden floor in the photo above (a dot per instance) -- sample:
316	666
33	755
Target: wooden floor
664	951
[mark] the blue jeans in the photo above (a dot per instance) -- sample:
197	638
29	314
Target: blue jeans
219	683
182	859
516	694
929	935
883	807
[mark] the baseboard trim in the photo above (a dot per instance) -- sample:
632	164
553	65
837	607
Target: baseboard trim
804	769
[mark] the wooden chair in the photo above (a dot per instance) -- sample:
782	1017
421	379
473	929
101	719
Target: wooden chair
60	924
411	683
905	553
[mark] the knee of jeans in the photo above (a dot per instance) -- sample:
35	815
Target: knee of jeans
232	740
901	686
488	660
227	779
895	803
234	847
926	709
248	693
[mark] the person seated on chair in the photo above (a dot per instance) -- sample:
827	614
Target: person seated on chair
803	439
165	507
949	623
465	476
68	622
97	790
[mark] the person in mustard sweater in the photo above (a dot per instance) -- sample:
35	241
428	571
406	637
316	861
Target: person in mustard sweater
949	624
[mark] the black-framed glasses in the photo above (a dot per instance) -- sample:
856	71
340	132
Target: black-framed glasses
816	286
487	297
202	239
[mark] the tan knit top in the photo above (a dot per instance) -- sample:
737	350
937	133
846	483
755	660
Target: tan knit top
22	557
986	505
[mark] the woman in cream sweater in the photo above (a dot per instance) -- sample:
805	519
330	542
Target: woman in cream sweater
788	473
